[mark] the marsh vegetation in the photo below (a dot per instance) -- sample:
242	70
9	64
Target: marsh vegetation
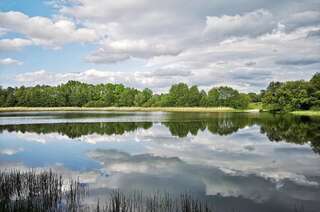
47	191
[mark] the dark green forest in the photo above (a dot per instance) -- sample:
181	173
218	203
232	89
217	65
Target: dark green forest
278	96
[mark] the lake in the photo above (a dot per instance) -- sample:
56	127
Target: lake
237	161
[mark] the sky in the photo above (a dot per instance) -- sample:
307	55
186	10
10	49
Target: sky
244	44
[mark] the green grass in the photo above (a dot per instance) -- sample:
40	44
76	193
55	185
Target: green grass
255	105
128	109
307	113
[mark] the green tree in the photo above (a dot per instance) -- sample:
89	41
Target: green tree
194	96
179	95
10	98
315	92
288	96
315	81
127	97
2	97
142	97
203	99
227	97
254	97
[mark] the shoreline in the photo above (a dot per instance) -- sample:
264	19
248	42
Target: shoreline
306	113
126	109
148	109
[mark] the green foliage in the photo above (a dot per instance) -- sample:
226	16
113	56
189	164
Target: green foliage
194	96
127	97
293	95
227	97
179	95
142	98
203	99
315	81
254	97
98	103
288	96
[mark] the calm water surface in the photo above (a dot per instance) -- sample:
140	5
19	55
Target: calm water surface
241	162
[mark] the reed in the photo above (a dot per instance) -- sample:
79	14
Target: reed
136	201
47	191
32	191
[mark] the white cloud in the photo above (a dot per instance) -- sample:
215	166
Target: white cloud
10	61
169	72
13	44
142	29
209	43
132	79
302	19
3	31
102	55
114	51
212	65
250	24
44	31
214	43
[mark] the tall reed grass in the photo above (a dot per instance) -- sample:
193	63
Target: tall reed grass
32	191
47	191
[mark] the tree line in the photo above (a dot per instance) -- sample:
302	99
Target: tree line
278	96
292	95
75	93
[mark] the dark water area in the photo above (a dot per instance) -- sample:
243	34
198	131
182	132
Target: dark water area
234	161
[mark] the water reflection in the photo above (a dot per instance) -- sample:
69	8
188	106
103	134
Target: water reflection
76	130
289	128
235	160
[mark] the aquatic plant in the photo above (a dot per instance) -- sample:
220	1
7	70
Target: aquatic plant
48	191
37	191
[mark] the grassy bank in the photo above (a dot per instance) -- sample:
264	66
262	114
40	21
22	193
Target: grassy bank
125	109
255	105
252	108
307	113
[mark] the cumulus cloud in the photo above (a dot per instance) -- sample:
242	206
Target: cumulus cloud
314	33
210	41
44	31
102	55
302	19
44	77
154	79
14	44
245	41
249	24
114	51
10	61
169	72
298	61
89	76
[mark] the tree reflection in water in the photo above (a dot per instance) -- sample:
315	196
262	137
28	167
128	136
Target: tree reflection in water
277	127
